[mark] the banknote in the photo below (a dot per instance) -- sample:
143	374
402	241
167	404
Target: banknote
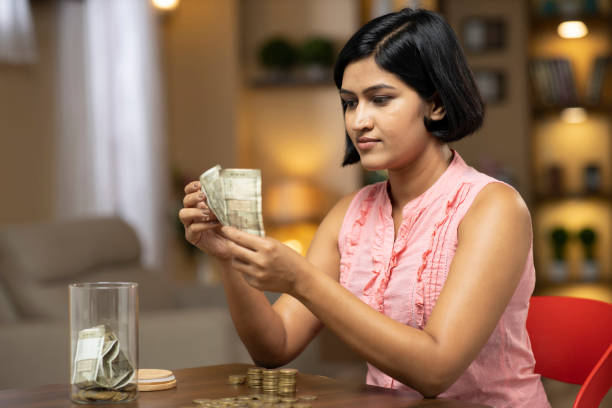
242	188
234	195
88	356
99	361
213	188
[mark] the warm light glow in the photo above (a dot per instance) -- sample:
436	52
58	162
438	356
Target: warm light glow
296	236
573	115
572	29
165	5
292	201
295	245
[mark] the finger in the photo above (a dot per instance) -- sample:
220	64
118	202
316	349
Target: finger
190	215
241	253
198	227
192	187
193	199
242	238
194	232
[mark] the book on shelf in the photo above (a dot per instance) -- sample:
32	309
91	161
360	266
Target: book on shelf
553	81
600	81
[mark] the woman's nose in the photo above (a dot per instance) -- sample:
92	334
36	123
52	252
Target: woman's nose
362	119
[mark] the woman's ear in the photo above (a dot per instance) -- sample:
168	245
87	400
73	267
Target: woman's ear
436	112
436	109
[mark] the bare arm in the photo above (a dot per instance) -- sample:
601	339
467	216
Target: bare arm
276	335
273	335
483	276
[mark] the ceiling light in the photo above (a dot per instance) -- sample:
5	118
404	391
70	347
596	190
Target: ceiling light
573	115
165	5
572	29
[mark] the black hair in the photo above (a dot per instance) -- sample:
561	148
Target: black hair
421	49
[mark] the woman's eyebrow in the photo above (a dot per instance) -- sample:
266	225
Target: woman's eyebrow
368	89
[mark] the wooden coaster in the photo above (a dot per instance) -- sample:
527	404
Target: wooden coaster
155	380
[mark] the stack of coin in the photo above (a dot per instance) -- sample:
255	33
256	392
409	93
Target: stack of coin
236	379
254	377
287	382
270	382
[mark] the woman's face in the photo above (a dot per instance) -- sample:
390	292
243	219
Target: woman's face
383	116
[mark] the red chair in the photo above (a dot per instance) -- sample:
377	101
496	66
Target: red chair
571	340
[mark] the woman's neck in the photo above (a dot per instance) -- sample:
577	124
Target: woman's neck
413	180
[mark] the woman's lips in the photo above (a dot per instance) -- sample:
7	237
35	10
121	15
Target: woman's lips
365	143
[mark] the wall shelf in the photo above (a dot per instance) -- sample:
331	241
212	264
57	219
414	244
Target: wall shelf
562	80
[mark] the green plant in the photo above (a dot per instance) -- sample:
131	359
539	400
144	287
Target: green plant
317	51
588	238
559	237
278	53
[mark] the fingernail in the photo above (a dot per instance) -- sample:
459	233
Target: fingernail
201	196
205	212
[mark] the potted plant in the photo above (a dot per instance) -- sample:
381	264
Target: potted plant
278	56
558	239
588	239
317	57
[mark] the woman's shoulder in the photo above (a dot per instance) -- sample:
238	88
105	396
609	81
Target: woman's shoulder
500	201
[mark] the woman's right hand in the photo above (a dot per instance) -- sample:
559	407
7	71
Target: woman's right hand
202	229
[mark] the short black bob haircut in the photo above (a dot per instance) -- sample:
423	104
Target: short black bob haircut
422	50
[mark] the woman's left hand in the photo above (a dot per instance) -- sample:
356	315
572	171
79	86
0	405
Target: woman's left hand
265	263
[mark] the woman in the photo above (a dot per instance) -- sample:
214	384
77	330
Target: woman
426	276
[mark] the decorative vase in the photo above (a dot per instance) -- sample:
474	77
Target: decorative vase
590	270
559	271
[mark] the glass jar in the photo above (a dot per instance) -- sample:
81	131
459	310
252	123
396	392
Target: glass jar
103	342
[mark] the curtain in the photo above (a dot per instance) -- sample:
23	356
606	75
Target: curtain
111	158
17	43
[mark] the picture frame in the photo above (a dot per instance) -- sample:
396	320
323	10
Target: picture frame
371	9
491	84
483	34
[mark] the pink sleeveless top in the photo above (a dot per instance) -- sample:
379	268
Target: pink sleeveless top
403	280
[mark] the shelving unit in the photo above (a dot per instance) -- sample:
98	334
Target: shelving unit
565	196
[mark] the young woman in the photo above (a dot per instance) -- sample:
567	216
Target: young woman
428	275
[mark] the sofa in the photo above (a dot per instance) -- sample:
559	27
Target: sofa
180	326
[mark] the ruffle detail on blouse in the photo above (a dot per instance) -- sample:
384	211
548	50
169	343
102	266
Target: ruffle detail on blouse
451	208
378	259
353	237
378	299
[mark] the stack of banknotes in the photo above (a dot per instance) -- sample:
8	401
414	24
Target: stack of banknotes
101	370
234	196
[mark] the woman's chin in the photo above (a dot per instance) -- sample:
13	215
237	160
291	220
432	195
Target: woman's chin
372	165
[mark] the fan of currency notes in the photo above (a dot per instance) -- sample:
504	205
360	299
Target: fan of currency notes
101	370
234	196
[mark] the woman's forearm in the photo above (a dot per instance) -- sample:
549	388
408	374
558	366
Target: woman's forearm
403	352
259	326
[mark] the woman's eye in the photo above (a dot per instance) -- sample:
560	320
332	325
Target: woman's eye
380	100
348	103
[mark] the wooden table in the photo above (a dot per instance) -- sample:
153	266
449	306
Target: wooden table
211	382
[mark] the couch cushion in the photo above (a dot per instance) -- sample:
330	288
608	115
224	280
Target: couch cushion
50	300
48	251
8	313
38	261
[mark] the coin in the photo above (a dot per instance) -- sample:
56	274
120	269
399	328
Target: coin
201	400
236	379
289	399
